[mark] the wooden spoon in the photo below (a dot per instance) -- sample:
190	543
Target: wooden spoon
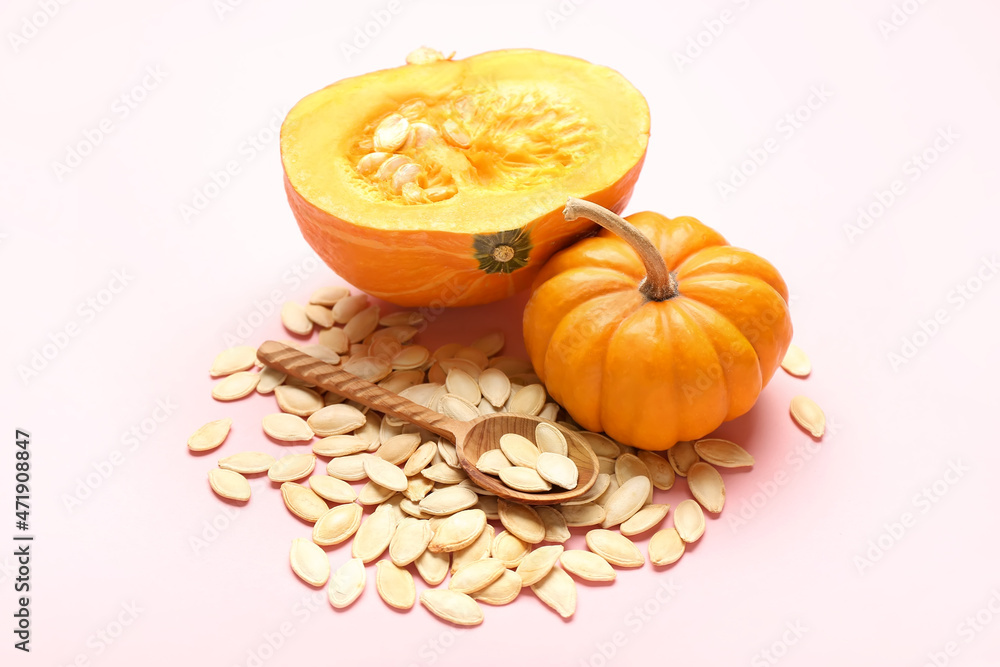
471	438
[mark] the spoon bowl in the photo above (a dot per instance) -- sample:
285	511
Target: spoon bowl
471	438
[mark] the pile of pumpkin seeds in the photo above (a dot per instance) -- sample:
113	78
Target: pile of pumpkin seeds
426	513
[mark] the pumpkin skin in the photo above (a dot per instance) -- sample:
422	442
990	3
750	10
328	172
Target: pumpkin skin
539	124
652	373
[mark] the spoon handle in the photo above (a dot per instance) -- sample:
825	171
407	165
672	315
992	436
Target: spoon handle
291	361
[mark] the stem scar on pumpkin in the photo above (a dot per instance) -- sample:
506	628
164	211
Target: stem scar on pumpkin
660	283
502	252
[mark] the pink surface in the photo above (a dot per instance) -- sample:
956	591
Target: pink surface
877	546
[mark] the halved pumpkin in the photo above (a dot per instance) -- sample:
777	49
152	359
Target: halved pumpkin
442	183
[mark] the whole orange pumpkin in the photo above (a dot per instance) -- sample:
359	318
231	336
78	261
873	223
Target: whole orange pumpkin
655	331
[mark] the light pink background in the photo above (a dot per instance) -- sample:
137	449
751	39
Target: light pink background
809	516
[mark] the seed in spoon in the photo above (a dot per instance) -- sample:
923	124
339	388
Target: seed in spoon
519	450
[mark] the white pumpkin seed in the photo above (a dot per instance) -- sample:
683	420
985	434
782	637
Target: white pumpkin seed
287	428
509	548
449	453
458	408
329	296
337	419
309	562
447	501
349	306
549	438
320	315
628	466
491	344
645	519
236	386
593	493
443	473
210	436
303	502
339	445
458	530
476	551
502	591
432	566
229	484
348	468
524	479
269	380
417	488
590	514
660	472
298	400
370	369
395	585
374	535
334	339
626	501
233	360
460	383
391	133
689	520
293	316
494	386
519	450
795	362
557	469
538	563
413	356
247	463
419	459
492	461
522	521
555	524
558	590
399	448
362	324
476	575
292	467
602	445
665	547
614	548
723	453
373	493
384	473
682	456
529	400
332	489
409	541
451	606
346	583
808	415
337	524
707	487
587	565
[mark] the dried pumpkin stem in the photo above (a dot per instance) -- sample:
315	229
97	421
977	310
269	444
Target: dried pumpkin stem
659	283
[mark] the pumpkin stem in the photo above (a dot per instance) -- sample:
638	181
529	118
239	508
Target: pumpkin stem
659	283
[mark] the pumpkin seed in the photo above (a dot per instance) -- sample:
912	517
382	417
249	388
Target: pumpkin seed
247	463
476	551
808	415
549	411
538	563
549	439
587	565
458	530
447	501
557	469
309	562
332	489
590	514
320	315
409	541
395	585
291	467
474	355
391	133
362	324
645	519
795	362
399	448
337	524
519	450
417	488
555	524
374	535
451	606
401	318
303	502
458	408
522	521
449	453
488	504
463	385
491	344
492	461
229	484
347	583
432	566
660	472
443	473
371	431
665	547
723	453
399	380
269	380
615	548
606	465
628	466
509	548
233	360
476	575
689	520
594	493
293	316
335	339
348	468
626	501
320	352
298	400
558	590
370	369
419	459
502	591
236	386
412	509
602	445
338	419
602	499
410	357
328	296
707	487
210	436
287	428
339	445
384	473
524	479
494	386
374	494
528	401
682	456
